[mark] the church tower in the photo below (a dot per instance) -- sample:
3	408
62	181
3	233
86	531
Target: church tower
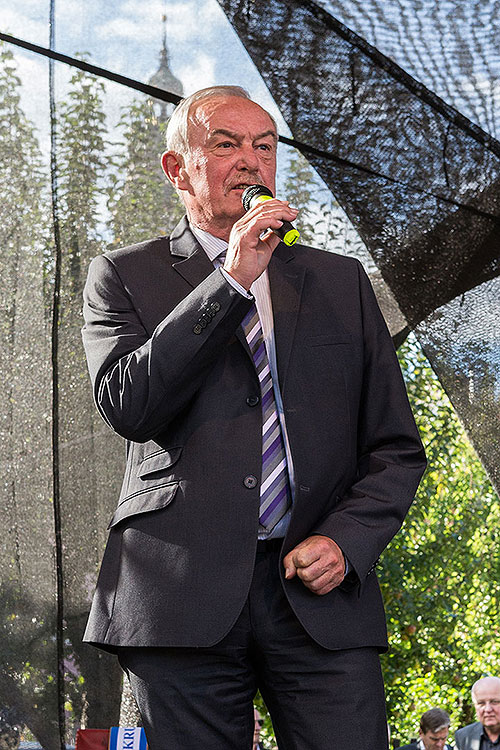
165	79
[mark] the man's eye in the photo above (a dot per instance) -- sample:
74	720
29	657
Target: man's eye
264	146
224	144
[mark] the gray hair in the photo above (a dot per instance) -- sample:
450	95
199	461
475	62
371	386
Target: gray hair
177	129
491	678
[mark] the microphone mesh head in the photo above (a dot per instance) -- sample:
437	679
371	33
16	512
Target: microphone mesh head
251	192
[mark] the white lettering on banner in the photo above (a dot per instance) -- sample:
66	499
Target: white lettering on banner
127	738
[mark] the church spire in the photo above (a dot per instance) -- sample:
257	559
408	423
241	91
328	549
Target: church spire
164	78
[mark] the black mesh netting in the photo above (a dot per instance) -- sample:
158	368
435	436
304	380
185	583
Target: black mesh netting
419	181
451	46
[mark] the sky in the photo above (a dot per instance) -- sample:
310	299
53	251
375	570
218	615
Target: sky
125	36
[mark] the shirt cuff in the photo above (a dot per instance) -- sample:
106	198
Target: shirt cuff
234	284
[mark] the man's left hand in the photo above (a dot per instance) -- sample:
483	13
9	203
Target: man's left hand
318	561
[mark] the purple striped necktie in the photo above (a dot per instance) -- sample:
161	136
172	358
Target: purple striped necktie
274	488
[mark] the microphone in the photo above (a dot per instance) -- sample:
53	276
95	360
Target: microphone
254	194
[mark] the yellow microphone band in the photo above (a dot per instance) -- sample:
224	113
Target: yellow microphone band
290	237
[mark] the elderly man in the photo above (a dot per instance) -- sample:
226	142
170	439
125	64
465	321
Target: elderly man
485	733
271	457
433	731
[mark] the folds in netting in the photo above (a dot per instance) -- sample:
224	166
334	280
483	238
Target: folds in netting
420	183
450	46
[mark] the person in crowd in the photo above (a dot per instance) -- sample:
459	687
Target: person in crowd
433	731
484	734
256	732
271	457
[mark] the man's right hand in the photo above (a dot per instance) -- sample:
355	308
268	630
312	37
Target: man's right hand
250	245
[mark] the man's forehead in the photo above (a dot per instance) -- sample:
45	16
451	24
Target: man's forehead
230	114
488	688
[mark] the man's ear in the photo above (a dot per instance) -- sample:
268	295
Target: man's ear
173	166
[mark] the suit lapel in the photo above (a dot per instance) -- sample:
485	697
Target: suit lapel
476	739
286	280
193	263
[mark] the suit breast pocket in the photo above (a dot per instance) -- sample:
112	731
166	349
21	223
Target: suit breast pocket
329	339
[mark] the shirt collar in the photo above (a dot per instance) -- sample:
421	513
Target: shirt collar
213	246
483	734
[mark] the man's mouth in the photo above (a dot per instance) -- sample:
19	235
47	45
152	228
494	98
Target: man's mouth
241	185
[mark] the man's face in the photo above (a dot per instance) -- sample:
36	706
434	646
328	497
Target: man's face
487	703
435	740
256	731
232	144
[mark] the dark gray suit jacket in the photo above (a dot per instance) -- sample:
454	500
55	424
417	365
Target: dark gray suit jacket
469	737
172	373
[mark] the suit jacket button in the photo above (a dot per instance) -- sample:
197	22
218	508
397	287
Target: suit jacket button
253	400
197	329
250	482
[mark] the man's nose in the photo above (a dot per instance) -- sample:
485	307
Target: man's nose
247	158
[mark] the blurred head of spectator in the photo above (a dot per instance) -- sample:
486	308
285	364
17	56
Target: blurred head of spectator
434	728
256	732
486	699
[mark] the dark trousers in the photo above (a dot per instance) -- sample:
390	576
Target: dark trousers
201	698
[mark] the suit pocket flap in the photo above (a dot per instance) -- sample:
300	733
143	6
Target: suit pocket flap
158	461
145	501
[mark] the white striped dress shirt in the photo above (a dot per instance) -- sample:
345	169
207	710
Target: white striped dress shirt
260	291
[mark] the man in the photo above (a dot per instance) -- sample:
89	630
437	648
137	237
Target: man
271	457
485	733
433	731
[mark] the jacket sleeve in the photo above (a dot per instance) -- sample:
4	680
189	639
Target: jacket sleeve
142	381
390	455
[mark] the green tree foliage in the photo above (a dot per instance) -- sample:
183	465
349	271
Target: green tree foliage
440	575
142	202
88	456
299	190
27	666
321	222
82	164
23	220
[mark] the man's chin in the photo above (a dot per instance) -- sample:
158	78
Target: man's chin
492	724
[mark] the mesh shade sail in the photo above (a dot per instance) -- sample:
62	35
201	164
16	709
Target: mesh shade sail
418	180
451	46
